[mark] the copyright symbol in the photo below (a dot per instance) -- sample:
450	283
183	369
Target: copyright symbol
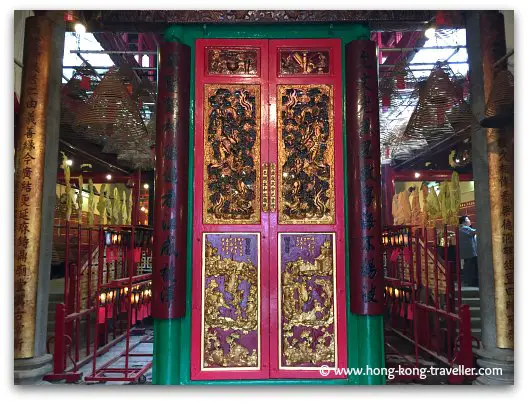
324	370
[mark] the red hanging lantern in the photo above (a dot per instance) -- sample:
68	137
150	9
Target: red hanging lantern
394	255
68	16
385	101
137	255
402	309
410	312
440	18
101	315
110	311
85	83
400	82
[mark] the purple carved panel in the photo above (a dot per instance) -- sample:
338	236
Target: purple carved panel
307	334
231	296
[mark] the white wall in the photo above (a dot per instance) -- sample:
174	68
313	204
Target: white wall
509	32
19	25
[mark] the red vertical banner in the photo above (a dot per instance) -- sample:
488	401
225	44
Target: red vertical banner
170	215
364	190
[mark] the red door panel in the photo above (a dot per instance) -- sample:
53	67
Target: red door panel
230	330
307	280
268	249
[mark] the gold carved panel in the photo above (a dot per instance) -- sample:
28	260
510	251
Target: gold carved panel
231	301
305	127
307	301
304	62
231	154
232	61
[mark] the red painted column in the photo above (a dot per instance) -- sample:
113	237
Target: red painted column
364	188
171	176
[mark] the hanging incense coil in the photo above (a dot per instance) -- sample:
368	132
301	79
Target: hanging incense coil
73	96
500	109
75	93
398	95
137	160
110	111
441	111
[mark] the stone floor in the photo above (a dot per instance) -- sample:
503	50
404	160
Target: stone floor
144	347
403	356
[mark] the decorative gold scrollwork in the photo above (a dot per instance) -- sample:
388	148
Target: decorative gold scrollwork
273	187
265	194
305	128
231	154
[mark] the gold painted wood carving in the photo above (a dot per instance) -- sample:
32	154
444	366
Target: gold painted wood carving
227	62
305	129
304	62
231	154
231	301
307	302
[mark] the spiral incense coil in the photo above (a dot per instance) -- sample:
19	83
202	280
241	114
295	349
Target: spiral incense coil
75	93
110	111
499	109
441	112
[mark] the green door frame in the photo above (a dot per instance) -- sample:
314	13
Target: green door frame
172	337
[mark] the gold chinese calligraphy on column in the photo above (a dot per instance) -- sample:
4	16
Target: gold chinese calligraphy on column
500	152
29	167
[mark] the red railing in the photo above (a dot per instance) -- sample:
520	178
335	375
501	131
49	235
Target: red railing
103	294
423	295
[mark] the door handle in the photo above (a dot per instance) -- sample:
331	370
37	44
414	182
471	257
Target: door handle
273	187
264	188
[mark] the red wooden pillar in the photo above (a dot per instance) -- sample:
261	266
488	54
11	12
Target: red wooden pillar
170	214
364	189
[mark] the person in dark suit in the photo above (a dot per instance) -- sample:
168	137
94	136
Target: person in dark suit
468	251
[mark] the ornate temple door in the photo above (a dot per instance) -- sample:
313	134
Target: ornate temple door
268	246
230	335
307	277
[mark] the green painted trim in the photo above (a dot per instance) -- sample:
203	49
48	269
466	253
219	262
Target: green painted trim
352	351
185	356
189	33
166	354
371	347
356	326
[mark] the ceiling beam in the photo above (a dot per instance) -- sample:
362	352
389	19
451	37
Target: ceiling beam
157	20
